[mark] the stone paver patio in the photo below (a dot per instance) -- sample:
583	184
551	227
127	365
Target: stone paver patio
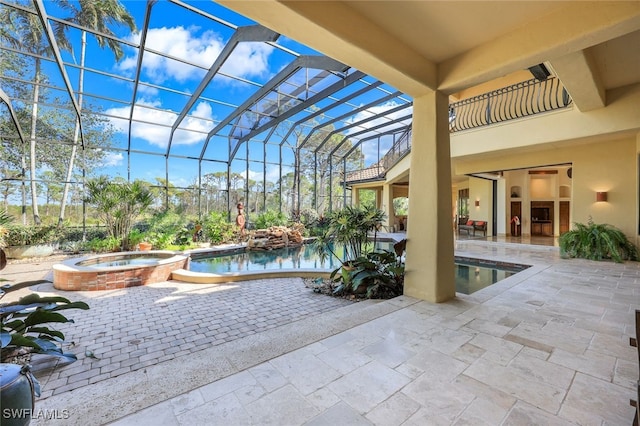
549	345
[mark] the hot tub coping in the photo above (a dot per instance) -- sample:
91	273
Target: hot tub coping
72	264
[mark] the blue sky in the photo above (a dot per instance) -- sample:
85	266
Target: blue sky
185	35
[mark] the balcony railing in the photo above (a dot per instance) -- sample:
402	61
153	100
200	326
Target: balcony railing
508	103
519	100
400	148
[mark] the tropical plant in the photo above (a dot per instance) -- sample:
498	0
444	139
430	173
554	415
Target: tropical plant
217	229
377	275
118	204
135	237
270	218
24	326
350	228
597	242
168	228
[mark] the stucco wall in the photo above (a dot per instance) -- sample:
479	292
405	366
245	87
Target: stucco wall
609	165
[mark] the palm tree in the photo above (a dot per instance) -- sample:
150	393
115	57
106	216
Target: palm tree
97	15
23	30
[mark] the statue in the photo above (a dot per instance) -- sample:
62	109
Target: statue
240	219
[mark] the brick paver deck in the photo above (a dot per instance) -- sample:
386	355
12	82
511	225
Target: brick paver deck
130	329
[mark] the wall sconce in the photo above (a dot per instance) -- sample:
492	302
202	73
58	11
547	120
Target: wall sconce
478	202
601	196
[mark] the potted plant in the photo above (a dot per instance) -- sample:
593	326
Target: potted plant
24	330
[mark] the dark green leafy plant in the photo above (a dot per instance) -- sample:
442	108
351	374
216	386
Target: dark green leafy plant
105	245
314	225
377	275
135	237
24	326
597	242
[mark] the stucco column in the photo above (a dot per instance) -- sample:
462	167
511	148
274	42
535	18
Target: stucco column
429	264
637	173
387	205
355	194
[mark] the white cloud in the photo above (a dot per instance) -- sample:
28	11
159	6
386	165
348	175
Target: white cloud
112	159
148	91
193	129
247	59
380	111
273	174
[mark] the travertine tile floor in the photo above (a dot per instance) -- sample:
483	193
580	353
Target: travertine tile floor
547	346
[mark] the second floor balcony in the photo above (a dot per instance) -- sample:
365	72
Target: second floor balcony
516	101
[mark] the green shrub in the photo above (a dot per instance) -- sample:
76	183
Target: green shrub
20	235
270	218
314	224
105	245
76	233
217	229
5	220
135	237
160	240
166	229
597	242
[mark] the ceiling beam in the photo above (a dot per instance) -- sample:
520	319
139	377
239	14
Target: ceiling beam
581	79
566	30
338	31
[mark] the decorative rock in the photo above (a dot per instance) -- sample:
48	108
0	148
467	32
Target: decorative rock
275	237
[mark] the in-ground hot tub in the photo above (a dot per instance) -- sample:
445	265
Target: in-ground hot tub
117	270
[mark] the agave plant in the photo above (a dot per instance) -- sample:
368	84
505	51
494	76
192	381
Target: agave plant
597	242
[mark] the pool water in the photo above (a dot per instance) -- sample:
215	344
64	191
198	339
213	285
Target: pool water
122	260
472	275
303	257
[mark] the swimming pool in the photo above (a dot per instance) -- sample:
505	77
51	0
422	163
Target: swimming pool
475	274
303	257
471	275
